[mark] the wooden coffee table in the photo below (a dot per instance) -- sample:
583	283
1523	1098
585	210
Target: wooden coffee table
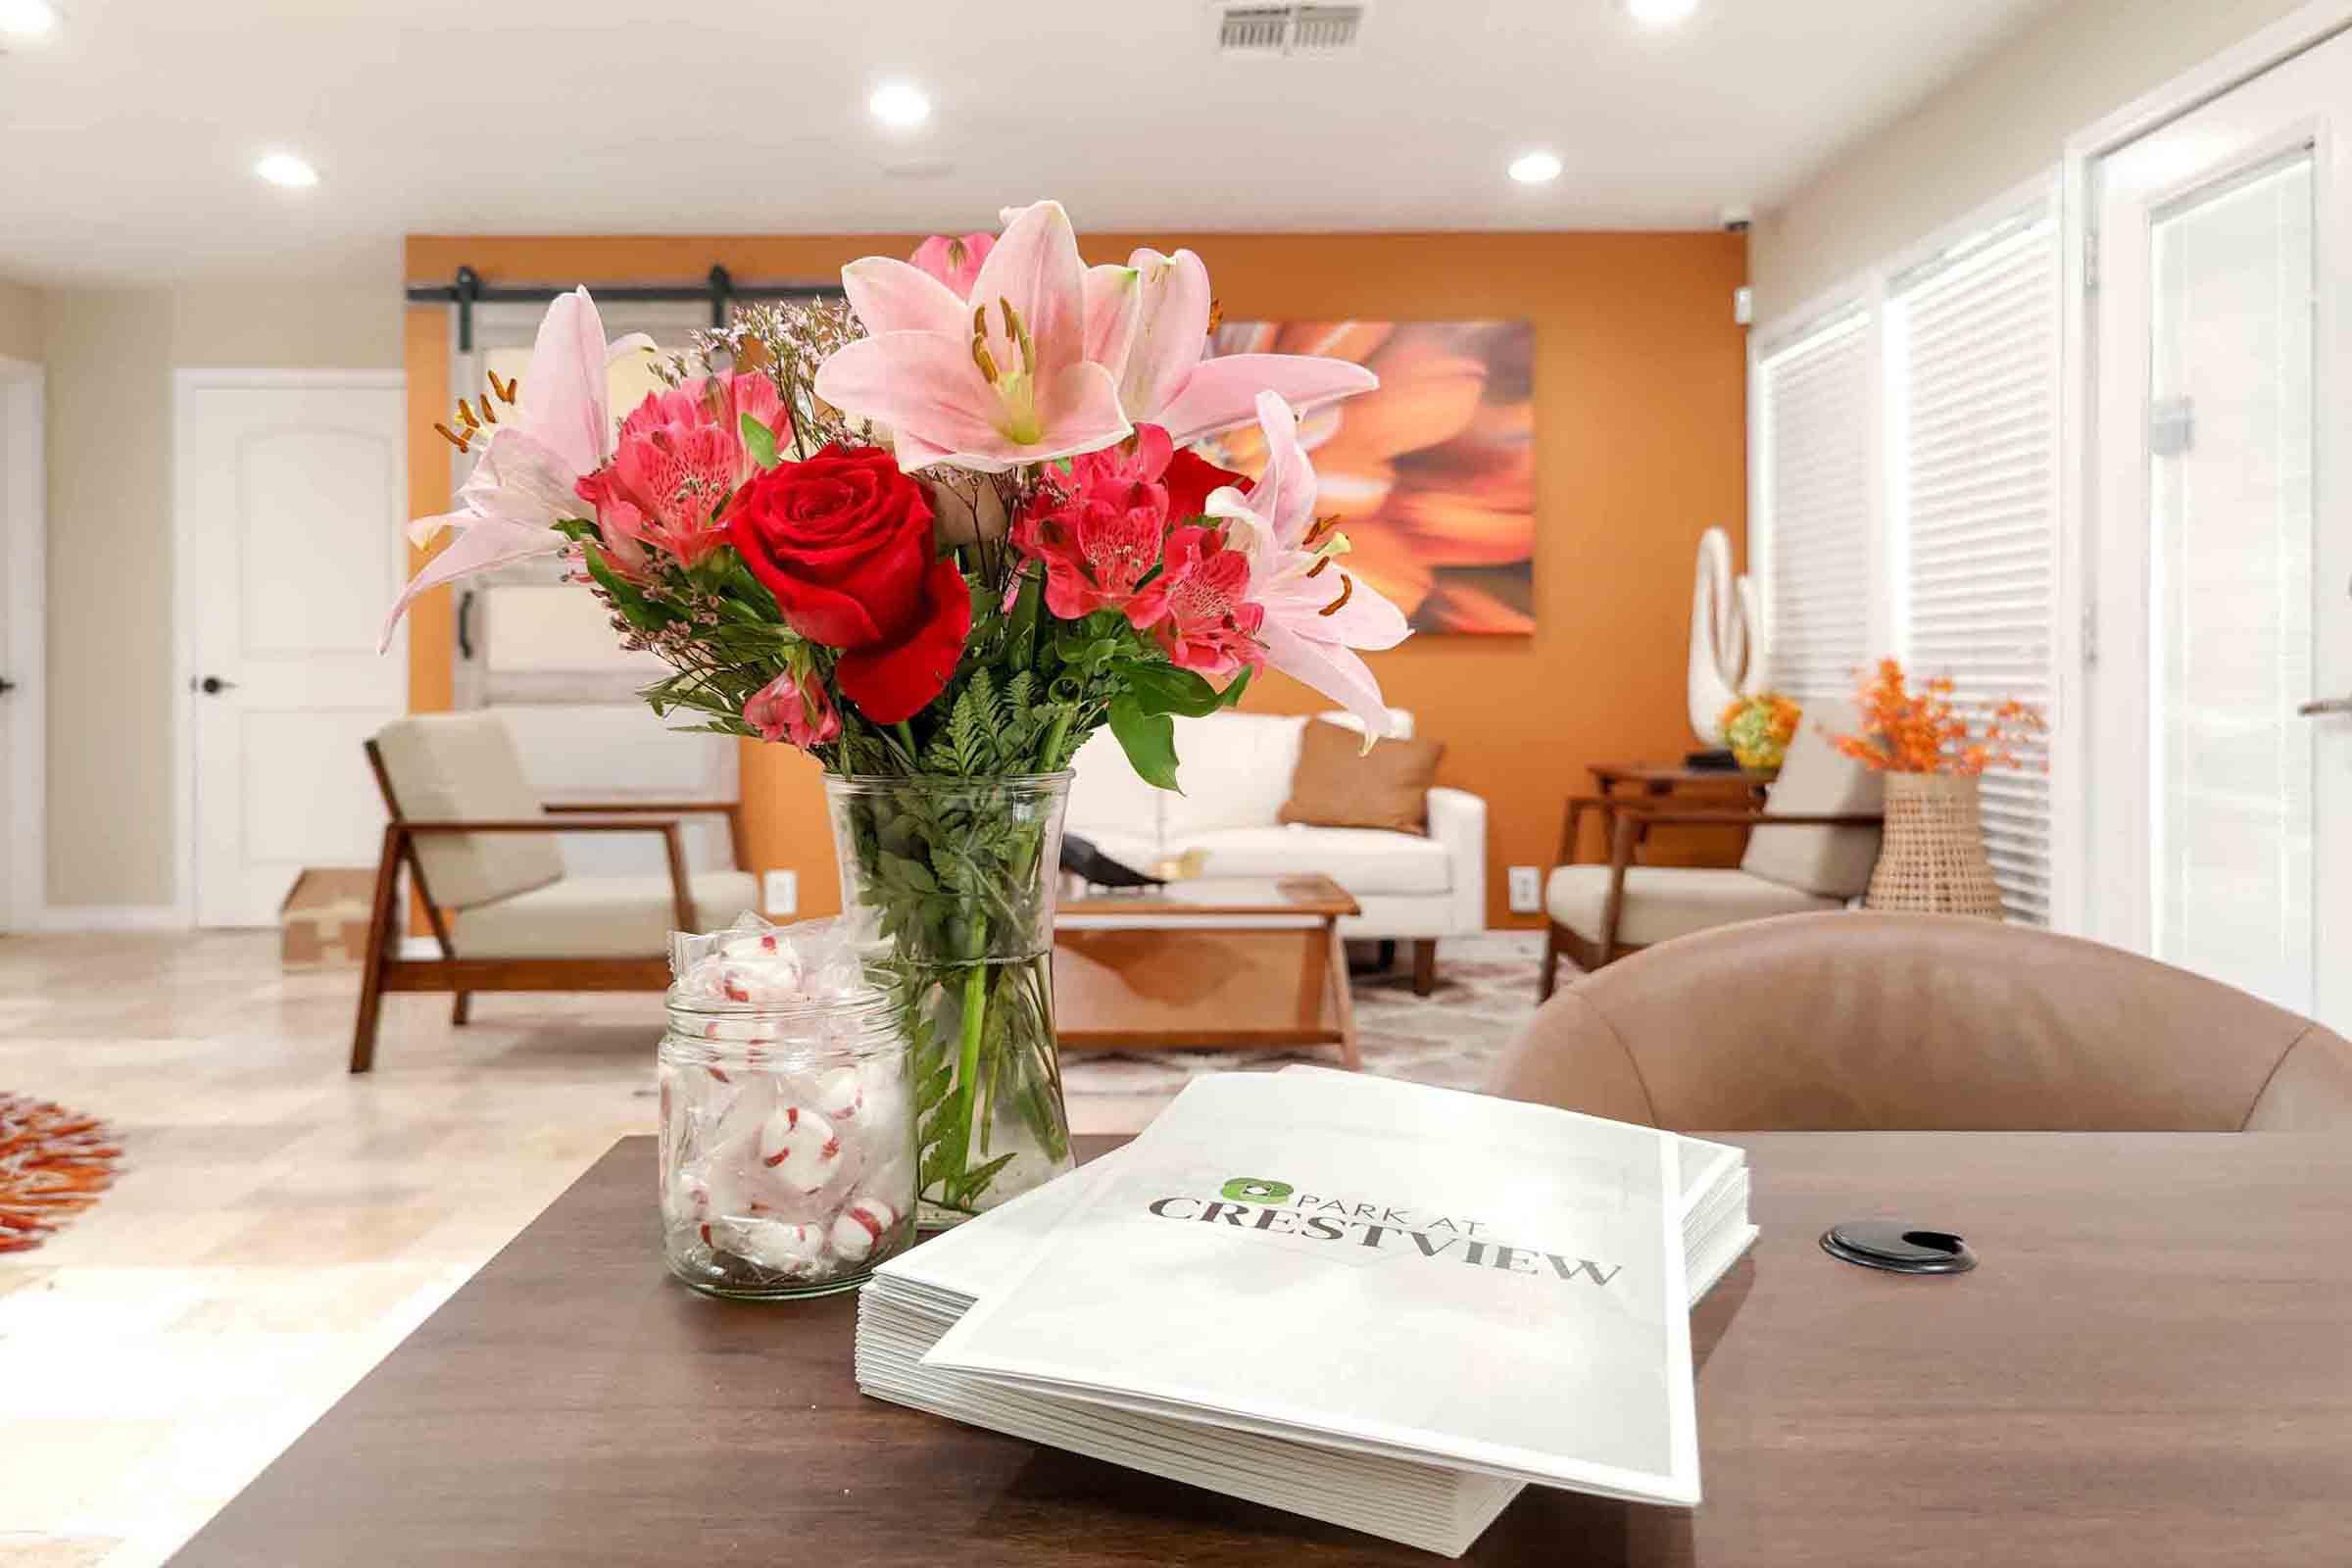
1230	964
2149	1367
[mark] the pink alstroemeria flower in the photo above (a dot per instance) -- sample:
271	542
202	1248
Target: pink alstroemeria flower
1200	610
955	260
1151	337
522	484
679	456
986	385
794	710
1316	614
1099	530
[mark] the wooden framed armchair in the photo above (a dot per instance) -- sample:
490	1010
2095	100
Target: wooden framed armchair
482	851
1811	847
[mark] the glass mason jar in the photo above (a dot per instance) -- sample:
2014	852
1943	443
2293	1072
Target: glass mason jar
958	875
787	1144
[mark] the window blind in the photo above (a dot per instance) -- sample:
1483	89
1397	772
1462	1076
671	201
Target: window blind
1814	503
1972	357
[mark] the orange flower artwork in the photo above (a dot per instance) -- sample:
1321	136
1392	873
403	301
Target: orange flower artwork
1433	474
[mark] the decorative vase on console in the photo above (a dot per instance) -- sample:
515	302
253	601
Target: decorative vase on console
936	536
1932	857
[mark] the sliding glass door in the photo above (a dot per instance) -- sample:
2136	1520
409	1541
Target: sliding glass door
2221	782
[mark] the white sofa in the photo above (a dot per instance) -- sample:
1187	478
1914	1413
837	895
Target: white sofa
1236	772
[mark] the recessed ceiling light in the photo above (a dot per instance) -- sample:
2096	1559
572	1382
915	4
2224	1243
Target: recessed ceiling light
900	106
1660	13
26	19
1534	169
284	169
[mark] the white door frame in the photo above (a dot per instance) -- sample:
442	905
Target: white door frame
2076	887
183	605
23	713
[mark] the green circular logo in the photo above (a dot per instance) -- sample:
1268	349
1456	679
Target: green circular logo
1254	1190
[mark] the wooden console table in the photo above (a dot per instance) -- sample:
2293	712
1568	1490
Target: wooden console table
1235	963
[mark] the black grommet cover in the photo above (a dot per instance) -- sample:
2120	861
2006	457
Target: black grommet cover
1897	1247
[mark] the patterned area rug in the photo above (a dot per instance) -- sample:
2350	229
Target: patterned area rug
1486	989
53	1164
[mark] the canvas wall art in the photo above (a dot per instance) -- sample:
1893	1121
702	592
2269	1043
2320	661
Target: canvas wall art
1433	472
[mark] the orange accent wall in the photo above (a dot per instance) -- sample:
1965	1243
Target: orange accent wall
1641	410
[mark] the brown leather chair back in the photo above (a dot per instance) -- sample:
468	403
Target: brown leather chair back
1853	1021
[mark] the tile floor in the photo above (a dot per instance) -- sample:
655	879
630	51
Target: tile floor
280	1225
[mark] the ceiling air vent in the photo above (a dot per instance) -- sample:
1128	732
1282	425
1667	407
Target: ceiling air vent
1269	31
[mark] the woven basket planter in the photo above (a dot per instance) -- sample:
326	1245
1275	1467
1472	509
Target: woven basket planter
1931	854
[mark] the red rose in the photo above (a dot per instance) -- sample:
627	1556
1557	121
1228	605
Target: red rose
844	542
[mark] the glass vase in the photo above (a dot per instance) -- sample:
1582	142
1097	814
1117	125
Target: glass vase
957	875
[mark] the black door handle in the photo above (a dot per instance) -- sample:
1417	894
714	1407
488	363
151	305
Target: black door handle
213	685
6	685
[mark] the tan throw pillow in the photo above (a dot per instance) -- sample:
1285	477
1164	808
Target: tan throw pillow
1339	785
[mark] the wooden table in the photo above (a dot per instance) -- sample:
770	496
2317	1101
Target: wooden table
2153	1365
1235	963
1656	782
1619	780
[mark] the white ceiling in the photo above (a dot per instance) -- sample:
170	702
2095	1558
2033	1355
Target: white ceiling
128	136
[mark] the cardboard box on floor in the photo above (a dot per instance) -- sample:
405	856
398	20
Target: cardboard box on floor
323	922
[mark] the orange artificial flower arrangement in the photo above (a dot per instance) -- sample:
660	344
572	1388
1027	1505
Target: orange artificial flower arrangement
1925	733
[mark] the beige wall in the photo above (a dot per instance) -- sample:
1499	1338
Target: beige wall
20	321
110	355
1996	126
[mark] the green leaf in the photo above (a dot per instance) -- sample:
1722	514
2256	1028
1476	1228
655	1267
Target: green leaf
760	442
1148	739
633	605
1231	697
1166	689
1020	627
903	872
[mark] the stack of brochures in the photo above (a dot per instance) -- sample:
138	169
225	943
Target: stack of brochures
1375	1303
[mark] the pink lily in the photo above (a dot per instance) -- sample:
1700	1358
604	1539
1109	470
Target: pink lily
1316	616
522	484
1162	377
953	260
987	385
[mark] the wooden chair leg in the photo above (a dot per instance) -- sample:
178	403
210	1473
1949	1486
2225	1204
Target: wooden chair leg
1551	977
461	1008
1425	966
379	950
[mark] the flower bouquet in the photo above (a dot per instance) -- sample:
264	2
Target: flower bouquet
1933	752
937	536
1758	730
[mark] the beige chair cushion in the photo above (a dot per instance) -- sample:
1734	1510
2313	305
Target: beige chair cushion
448	768
1817	780
1362	860
598	916
1664	902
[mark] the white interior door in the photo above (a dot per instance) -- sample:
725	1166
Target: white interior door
2223	765
292	495
21	746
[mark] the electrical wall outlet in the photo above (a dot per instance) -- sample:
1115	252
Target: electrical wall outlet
780	892
1527	890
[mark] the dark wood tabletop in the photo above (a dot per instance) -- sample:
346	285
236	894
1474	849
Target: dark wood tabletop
2153	1366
